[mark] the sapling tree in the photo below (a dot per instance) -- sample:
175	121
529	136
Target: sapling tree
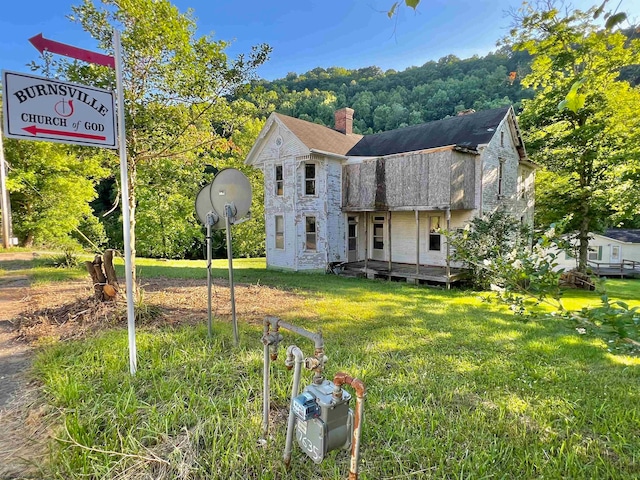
176	89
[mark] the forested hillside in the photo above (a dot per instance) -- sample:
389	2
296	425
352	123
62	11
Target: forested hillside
387	100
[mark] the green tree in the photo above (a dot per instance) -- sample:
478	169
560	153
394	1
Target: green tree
574	126
51	186
176	84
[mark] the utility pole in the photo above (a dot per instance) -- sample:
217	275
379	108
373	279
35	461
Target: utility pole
4	204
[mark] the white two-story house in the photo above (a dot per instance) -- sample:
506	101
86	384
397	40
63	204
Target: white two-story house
380	201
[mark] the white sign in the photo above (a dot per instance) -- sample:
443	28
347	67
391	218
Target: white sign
37	108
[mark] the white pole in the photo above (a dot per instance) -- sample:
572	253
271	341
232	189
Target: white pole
4	204
126	225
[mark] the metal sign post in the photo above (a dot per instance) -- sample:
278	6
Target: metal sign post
39	108
124	182
4	201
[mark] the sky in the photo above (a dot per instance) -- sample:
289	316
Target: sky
304	34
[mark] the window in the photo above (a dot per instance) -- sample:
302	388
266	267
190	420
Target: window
501	178
502	139
353	234
279	181
309	178
434	236
280	232
310	230
522	187
378	233
595	254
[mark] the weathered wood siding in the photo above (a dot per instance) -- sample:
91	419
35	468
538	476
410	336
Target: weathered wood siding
442	178
517	195
336	235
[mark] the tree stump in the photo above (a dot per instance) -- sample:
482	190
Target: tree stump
105	282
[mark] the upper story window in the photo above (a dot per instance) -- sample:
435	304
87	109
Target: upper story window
309	178
501	178
279	181
502	138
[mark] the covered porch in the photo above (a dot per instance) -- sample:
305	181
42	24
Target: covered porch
417	274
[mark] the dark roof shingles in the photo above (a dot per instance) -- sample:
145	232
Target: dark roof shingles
467	131
624	235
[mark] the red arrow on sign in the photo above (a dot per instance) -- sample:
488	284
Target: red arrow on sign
43	44
33	130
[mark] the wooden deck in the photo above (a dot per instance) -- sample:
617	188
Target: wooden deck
404	272
624	269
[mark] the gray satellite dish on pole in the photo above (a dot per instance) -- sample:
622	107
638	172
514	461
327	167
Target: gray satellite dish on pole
231	197
230	187
228	196
203	203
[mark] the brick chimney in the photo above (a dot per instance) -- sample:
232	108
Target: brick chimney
344	120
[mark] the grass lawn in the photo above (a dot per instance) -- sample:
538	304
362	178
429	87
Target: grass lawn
457	388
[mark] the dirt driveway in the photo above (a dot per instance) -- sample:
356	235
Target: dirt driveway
16	393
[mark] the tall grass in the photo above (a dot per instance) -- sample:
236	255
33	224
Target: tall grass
457	388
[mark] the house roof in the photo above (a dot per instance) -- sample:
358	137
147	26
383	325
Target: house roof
629	235
319	137
466	131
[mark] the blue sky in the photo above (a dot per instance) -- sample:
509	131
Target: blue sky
304	34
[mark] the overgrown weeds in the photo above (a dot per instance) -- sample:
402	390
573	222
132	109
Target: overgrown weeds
456	389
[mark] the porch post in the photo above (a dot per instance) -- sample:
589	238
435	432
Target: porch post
366	240
389	244
448	214
417	242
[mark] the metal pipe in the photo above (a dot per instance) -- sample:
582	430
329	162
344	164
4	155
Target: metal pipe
295	357
228	213
340	379
209	314
316	337
265	387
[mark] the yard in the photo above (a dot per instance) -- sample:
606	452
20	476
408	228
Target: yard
457	387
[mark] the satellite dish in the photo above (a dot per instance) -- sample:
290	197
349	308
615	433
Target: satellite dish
203	203
230	186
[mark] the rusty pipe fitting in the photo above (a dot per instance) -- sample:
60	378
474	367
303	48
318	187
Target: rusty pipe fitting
358	385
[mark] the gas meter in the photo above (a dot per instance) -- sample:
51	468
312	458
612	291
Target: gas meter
323	422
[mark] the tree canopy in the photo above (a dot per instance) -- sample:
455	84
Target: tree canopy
178	113
579	125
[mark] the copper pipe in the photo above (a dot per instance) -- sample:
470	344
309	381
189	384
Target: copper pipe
340	379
